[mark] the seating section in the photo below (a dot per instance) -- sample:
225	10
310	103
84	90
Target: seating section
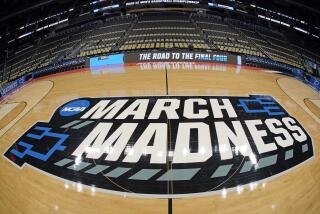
66	49
42	54
158	31
278	48
75	40
48	50
307	55
107	36
20	63
272	44
155	31
2	79
224	37
308	50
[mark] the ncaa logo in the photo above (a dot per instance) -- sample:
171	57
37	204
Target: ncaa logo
74	108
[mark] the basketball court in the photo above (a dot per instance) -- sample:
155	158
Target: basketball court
30	187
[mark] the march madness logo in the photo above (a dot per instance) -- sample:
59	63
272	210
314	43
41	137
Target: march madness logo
173	146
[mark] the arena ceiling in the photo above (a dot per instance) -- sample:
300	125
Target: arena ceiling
17	13
12	7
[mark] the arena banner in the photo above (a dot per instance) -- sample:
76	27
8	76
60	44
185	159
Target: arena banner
137	57
314	82
183	56
137	145
60	67
107	60
148	2
9	87
107	64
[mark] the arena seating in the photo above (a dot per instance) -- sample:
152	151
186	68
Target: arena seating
20	63
306	49
278	48
225	37
172	31
50	50
2	79
152	31
272	44
107	36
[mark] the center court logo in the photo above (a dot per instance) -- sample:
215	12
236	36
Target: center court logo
140	145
